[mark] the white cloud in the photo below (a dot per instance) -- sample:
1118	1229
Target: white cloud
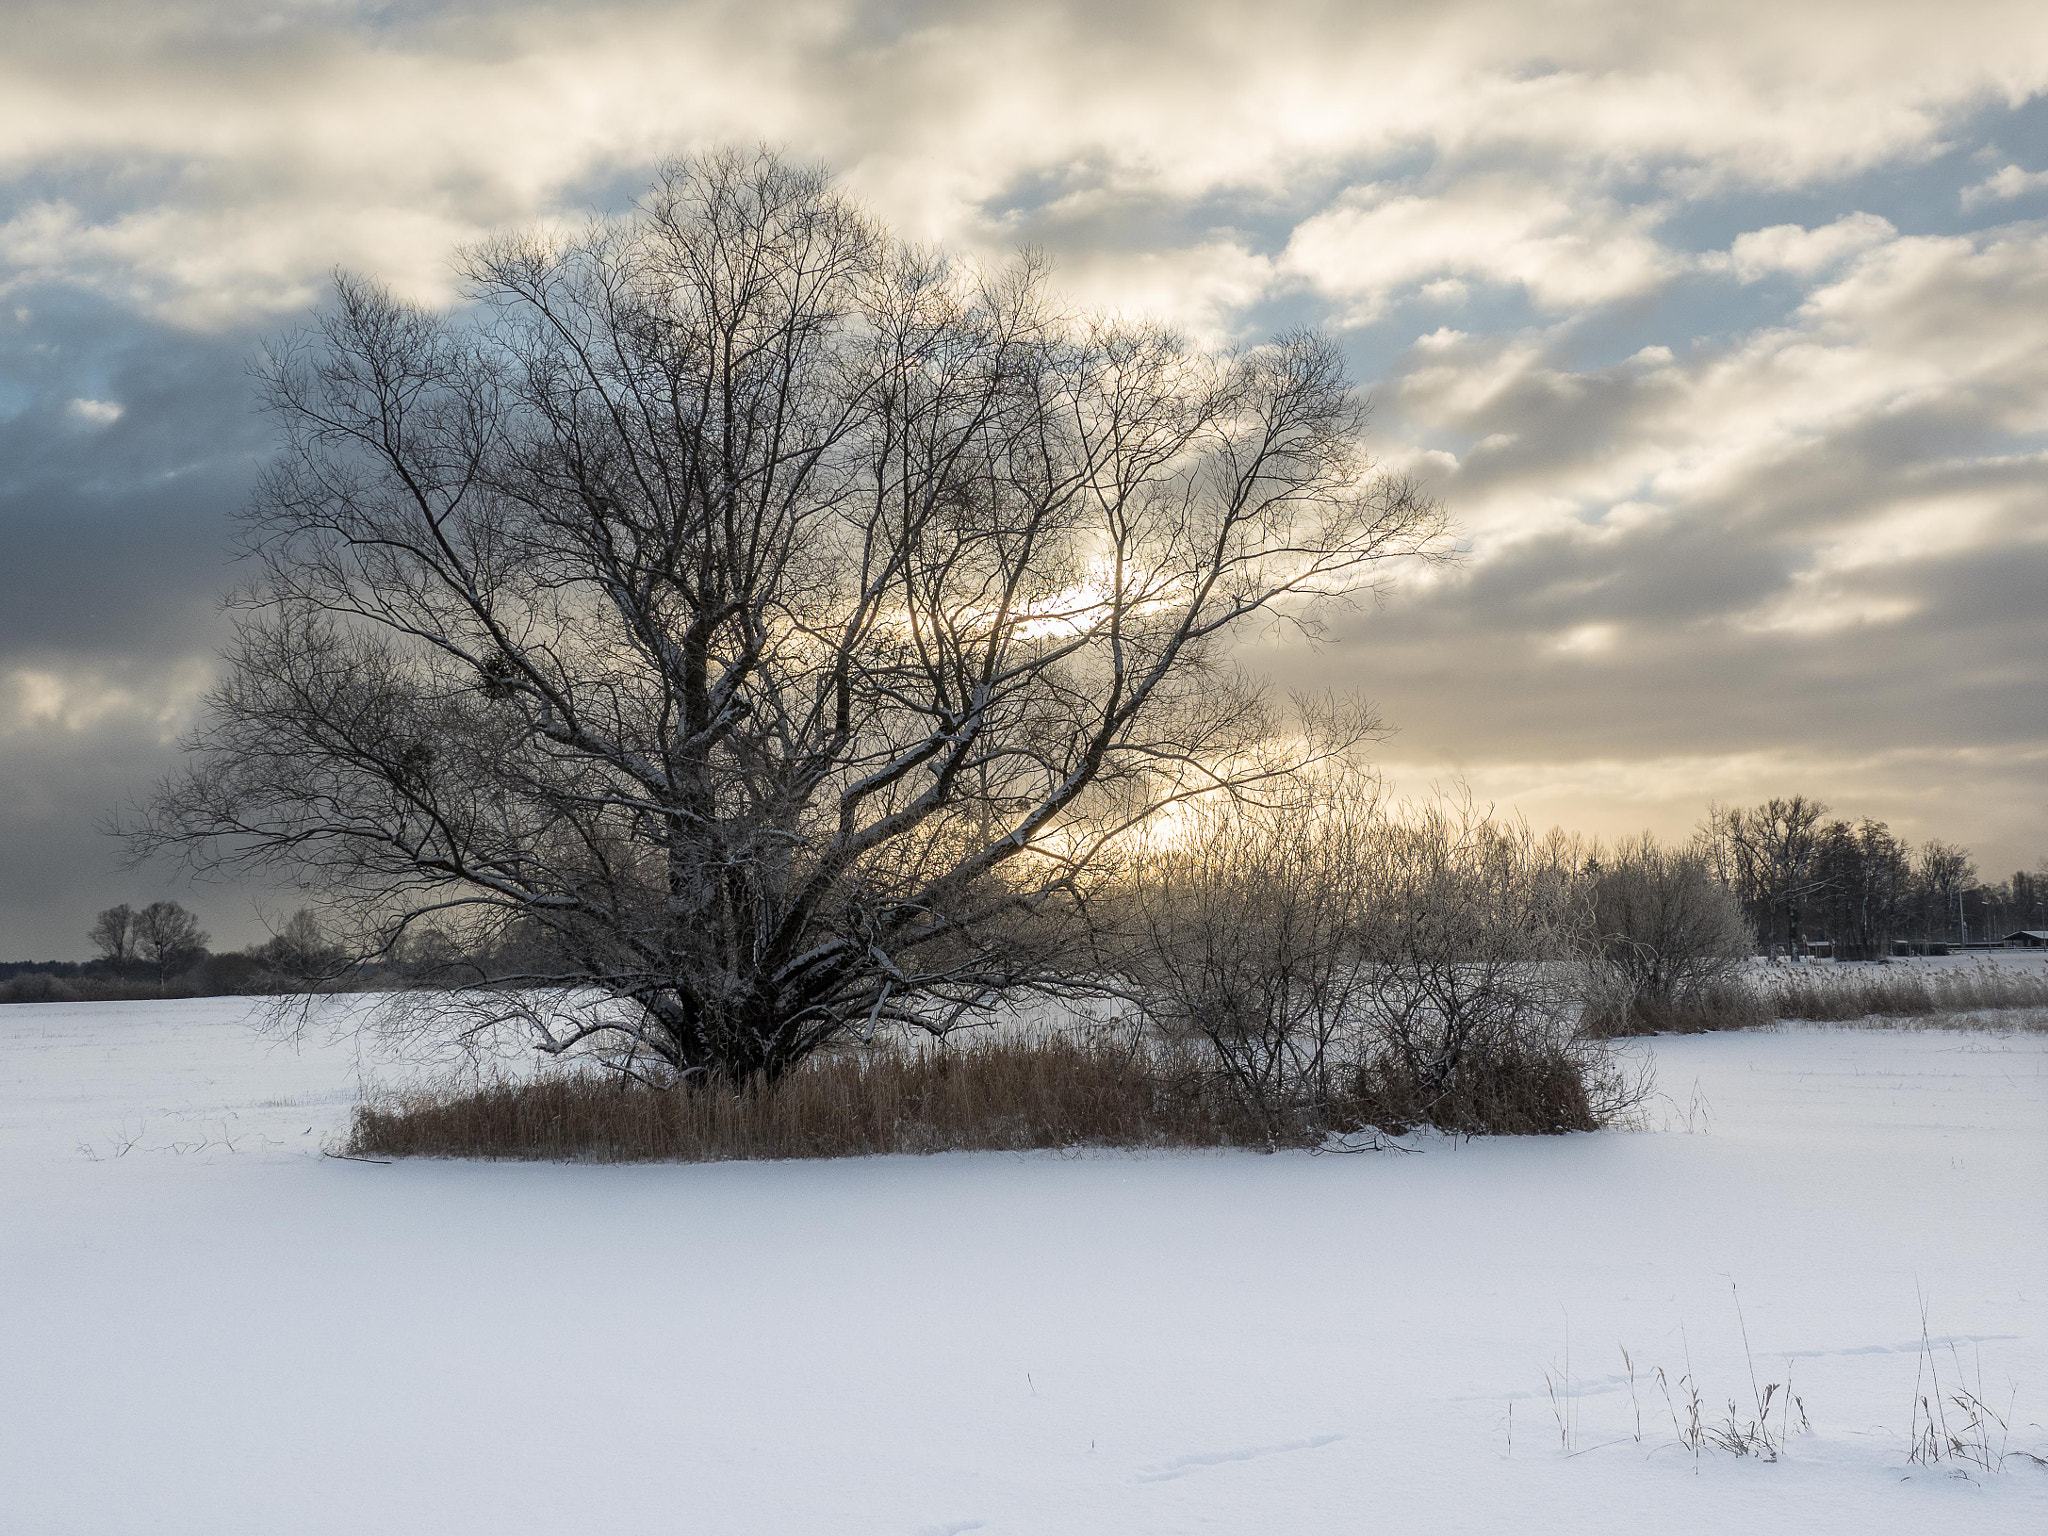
1785	486
1804	252
1564	251
257	157
75	700
99	413
2004	185
1206	288
1954	322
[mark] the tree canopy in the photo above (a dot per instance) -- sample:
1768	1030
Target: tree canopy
782	621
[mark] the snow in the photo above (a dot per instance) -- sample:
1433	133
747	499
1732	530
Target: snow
221	1331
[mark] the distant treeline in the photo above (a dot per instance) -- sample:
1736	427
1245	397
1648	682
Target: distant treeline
1805	881
160	951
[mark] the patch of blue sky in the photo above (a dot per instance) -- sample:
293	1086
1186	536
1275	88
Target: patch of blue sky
1922	196
100	186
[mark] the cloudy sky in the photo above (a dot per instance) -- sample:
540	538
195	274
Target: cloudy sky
1722	329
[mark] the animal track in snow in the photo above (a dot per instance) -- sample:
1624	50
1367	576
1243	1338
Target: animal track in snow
1910	1347
1183	1465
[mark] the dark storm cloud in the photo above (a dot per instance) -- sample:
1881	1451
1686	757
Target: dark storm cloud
1723	334
116	476
123	450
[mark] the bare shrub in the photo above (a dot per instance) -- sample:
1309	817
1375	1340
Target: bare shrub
38	987
1663	937
1243	934
1352	965
1464	958
987	1094
1516	1084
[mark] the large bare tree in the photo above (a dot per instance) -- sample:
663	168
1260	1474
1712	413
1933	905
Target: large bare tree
780	621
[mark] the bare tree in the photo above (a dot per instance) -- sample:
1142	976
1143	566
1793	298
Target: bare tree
2029	894
113	933
300	950
1769	855
782	620
1942	872
167	937
1864	877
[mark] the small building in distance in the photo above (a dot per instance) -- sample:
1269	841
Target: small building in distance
2028	938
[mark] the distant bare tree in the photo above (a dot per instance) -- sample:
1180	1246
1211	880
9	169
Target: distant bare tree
1768	855
300	950
2029	895
113	933
1865	884
782	620
1942	872
167	937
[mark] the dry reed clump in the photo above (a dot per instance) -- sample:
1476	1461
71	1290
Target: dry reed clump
985	1095
1831	996
1008	1095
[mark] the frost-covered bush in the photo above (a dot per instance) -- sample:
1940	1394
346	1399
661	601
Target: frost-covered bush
1397	966
1240	933
1464	951
1662	937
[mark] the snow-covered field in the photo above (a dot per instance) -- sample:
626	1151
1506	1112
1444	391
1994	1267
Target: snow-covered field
218	1330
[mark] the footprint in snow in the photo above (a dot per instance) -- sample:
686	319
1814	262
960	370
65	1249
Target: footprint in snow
1183	1465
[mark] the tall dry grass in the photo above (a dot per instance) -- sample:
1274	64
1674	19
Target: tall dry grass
985	1095
1834	995
1830	995
1730	1003
1115	1089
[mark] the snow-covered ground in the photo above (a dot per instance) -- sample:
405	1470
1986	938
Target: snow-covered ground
219	1331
